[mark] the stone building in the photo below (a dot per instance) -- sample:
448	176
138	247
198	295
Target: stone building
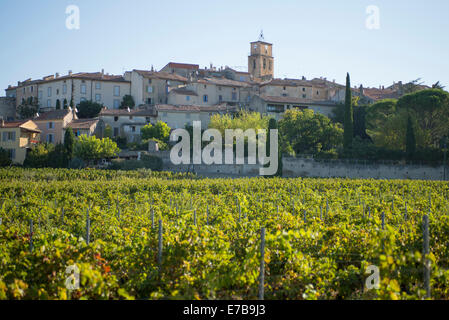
17	137
185	70
126	123
151	87
261	61
177	117
7	108
99	87
275	106
52	124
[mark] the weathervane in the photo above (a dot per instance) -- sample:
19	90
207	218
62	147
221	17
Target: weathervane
261	37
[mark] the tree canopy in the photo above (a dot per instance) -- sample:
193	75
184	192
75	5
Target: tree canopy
88	109
92	148
160	131
307	132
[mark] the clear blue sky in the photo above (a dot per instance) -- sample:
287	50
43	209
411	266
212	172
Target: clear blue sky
311	38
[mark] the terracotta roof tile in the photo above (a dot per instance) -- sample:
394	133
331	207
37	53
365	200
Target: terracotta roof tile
53	115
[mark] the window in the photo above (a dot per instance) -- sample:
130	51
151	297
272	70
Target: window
116	91
116	104
205	86
130	117
24	90
284	95
220	98
12	153
83	99
116	132
285	88
49	91
149	100
275	108
98	97
50	125
219	88
205	98
9	136
149	81
40	95
187	98
48	103
98	85
31	89
57	91
304	96
317	92
149	89
164	114
133	129
269	65
83	89
254	64
234	96
303	89
64	89
115	119
264	63
50	138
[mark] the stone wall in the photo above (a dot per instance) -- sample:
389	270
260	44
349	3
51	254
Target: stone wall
296	167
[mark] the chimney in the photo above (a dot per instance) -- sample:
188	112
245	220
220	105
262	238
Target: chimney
70	72
361	91
383	87
57	75
102	71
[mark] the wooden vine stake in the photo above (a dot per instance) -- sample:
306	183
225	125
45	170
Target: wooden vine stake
262	264
426	252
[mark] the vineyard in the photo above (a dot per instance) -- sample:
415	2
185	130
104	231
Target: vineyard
144	235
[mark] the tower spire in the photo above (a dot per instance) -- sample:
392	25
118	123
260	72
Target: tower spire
261	37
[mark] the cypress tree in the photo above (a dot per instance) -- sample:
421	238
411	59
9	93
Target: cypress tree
58	104
349	117
69	141
410	143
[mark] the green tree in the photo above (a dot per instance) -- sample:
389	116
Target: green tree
430	109
108	132
65	105
307	132
88	109
160	131
93	149
128	101
39	156
69	141
410	139
242	120
348	116
5	159
28	109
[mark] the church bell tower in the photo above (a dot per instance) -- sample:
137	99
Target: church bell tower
261	61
